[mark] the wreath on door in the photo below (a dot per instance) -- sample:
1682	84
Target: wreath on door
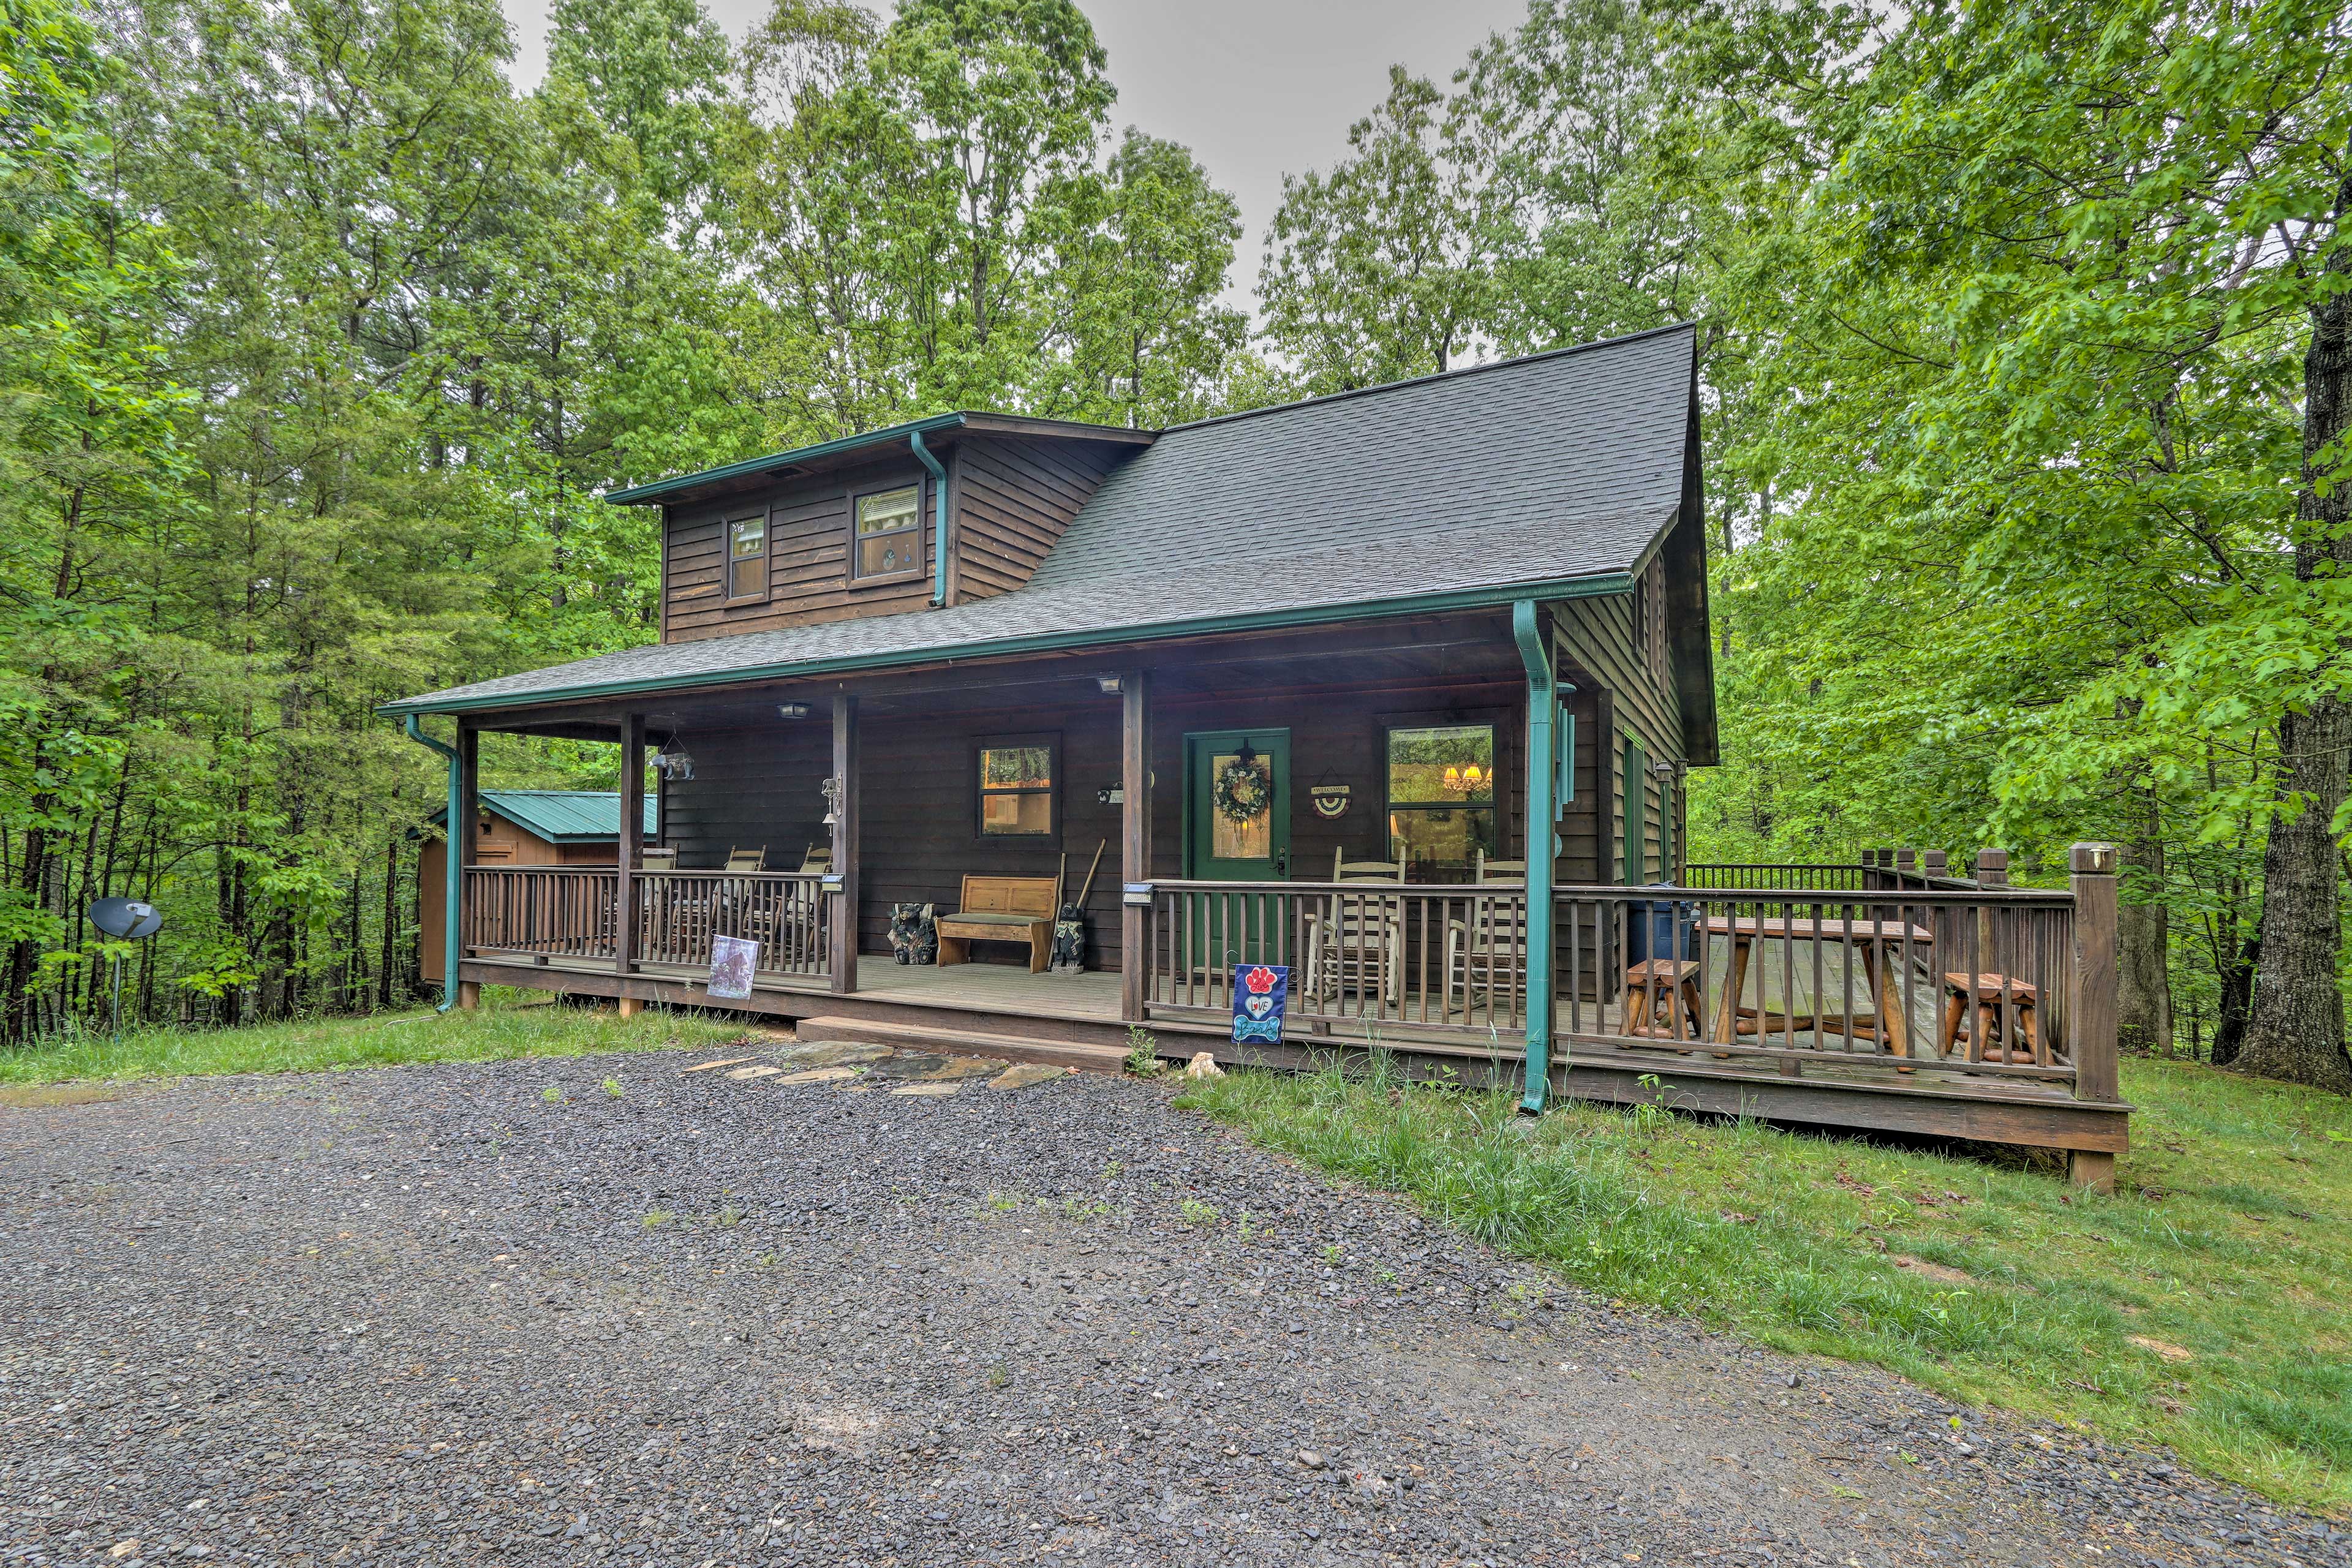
1243	790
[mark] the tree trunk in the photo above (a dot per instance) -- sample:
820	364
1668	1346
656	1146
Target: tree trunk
2143	931
2237	1001
2296	1031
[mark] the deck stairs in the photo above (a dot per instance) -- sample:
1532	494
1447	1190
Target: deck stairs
955	1042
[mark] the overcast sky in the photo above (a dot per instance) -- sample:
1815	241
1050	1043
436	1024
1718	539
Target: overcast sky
1254	87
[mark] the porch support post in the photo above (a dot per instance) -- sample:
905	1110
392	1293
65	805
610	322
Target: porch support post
2091	999
632	841
842	954
462	834
1135	841
1542	847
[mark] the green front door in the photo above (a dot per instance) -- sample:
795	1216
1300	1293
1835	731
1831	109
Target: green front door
1246	838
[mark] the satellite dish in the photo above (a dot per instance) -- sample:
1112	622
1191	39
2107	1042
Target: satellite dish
126	918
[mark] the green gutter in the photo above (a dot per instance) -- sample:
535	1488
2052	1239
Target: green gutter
639	494
1526	630
939	518
1041	642
451	893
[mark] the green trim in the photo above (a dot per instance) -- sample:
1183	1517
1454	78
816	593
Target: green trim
638	494
1595	586
939	518
452	892
1542	845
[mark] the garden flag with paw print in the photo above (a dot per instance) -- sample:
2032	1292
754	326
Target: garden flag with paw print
1261	992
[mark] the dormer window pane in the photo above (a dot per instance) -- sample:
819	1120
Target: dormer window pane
746	558
890	533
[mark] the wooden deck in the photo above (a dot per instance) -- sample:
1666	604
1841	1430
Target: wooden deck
1828	1090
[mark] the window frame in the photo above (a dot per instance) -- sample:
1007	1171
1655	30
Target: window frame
906	574
1051	740
765	517
1498	802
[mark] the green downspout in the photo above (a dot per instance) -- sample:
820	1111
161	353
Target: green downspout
939	518
451	891
1543	770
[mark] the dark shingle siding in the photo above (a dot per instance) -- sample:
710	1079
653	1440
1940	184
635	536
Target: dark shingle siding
1538	471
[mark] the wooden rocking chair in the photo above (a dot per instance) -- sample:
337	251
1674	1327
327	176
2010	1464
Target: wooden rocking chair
1488	951
1358	940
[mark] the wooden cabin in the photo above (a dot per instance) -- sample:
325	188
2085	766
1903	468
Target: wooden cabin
517	827
1309	681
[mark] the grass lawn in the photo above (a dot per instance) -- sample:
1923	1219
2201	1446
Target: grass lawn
2204	1306
498	1031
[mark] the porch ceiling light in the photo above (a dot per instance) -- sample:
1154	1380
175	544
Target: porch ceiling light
793	710
1110	685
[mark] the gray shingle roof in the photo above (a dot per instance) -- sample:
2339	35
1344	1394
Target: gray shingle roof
1551	472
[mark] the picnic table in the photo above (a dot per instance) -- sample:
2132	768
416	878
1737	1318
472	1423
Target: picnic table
1868	940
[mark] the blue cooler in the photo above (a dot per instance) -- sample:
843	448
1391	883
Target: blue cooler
1651	924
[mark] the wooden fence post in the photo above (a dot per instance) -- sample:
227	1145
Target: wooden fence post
2091	998
1934	863
1992	868
631	851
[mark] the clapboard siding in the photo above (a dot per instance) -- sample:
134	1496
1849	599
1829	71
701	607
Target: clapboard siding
1598	635
1014	499
808	557
1009	500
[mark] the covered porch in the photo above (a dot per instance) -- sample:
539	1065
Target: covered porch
803	817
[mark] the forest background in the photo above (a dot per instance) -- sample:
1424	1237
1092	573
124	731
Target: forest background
2027	358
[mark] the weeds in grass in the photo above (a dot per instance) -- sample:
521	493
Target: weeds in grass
552	1094
727	1217
612	1087
1143	1052
1195	1211
656	1217
997	1377
1001	1203
1811	1244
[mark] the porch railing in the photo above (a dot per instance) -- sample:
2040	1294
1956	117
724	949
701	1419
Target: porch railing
786	912
1364	953
545	911
573	913
1893	980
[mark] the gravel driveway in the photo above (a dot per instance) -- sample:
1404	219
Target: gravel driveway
429	1315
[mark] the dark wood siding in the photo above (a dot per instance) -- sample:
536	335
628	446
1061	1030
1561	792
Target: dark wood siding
1599	645
1013	500
808	557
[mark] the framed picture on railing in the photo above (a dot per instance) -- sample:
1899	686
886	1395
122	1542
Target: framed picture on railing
733	959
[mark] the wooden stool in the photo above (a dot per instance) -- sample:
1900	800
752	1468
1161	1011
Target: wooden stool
1994	994
1653	987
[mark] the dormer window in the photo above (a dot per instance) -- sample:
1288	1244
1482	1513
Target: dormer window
889	541
746	558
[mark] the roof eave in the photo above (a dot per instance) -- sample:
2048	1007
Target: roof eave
1587	586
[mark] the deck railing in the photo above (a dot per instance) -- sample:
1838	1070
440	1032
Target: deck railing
786	912
1449	959
1846	878
572	913
545	911
1894	980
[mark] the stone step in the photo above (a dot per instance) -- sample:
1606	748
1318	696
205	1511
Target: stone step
966	1043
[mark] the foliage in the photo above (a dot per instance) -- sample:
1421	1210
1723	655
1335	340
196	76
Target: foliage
322	344
2196	1310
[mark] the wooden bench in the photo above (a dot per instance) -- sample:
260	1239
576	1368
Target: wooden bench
1002	909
